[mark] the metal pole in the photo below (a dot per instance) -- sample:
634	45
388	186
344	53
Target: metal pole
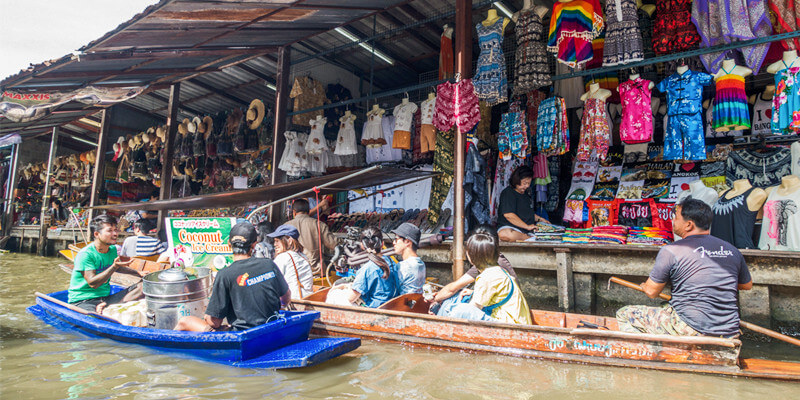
42	245
11	185
463	55
98	178
281	102
169	148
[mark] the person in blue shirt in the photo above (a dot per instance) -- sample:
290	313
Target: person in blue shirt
410	271
376	282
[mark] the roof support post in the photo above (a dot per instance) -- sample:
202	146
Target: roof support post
463	68
169	148
281	114
98	177
11	184
42	245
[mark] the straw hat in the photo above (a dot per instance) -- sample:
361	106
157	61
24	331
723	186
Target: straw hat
195	126
206	125
161	133
255	113
91	157
84	157
183	127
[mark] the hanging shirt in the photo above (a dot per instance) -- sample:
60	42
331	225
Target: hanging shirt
685	91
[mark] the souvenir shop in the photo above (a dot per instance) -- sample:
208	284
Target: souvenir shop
621	109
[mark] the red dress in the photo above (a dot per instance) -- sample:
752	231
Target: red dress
673	30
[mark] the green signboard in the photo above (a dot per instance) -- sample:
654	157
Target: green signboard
201	242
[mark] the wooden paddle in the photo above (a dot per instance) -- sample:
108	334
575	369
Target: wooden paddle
743	324
77	309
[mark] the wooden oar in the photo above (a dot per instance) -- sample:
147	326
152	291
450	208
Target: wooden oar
743	324
77	309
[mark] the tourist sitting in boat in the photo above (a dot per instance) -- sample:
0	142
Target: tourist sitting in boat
94	264
449	291
310	234
515	216
411	271
497	296
141	245
265	247
247	293
375	282
292	263
705	273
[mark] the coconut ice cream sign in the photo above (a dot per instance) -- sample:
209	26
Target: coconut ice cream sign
201	242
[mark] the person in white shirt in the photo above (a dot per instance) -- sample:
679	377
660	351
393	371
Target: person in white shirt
411	269
291	262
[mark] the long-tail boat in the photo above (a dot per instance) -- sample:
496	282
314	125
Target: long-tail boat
553	336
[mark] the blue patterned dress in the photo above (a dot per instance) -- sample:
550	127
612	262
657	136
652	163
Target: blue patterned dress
491	83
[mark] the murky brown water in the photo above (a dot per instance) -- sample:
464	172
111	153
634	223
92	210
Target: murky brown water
41	362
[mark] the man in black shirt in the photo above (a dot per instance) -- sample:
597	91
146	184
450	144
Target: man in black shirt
246	293
515	215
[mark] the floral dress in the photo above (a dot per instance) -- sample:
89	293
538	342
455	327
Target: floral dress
491	83
786	102
595	131
637	114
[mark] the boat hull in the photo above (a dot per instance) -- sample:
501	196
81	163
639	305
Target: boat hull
282	343
560	343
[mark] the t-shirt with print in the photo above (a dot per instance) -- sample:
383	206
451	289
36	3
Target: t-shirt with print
502	261
404	114
704	272
373	288
412	275
90	259
517	203
247	293
491	287
427	107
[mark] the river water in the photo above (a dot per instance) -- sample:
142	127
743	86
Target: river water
41	362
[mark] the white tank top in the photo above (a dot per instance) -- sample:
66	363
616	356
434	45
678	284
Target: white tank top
780	229
762	117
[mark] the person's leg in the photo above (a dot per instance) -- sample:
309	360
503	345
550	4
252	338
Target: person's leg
130	293
134	293
469	311
192	324
511	235
89	305
653	320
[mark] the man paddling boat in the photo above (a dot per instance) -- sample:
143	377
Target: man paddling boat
94	264
706	274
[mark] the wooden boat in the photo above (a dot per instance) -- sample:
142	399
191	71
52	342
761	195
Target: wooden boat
554	336
138	263
282	343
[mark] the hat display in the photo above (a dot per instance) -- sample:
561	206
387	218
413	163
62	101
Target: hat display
194	126
117	151
183	127
255	113
285	230
243	234
207	126
408	231
161	132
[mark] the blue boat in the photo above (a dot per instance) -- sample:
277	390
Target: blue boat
282	343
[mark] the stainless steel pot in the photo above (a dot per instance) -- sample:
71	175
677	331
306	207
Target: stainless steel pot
172	294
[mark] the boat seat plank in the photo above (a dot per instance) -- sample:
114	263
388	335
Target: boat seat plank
318	296
411	302
303	354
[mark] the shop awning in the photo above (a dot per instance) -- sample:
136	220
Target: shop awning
366	177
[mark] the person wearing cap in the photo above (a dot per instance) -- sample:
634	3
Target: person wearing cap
411	269
247	293
290	260
310	234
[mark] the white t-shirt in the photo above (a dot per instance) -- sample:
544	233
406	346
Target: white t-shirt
404	114
427	107
284	263
412	275
762	117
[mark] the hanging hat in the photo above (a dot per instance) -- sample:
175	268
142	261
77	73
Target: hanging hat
151	130
207	126
117	151
84	157
255	113
91	157
183	127
146	137
161	132
195	125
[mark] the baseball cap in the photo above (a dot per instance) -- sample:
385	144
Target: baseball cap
408	231
285	230
243	234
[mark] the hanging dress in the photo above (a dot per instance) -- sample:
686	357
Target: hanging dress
673	30
446	63
316	140
786	102
637	112
532	70
490	79
573	26
373	133
731	111
623	38
346	142
595	130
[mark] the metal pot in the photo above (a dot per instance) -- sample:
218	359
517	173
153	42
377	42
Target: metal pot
171	294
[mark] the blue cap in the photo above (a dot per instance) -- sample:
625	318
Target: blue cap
285	230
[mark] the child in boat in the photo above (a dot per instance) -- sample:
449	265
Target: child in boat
411	271
497	296
375	282
290	260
